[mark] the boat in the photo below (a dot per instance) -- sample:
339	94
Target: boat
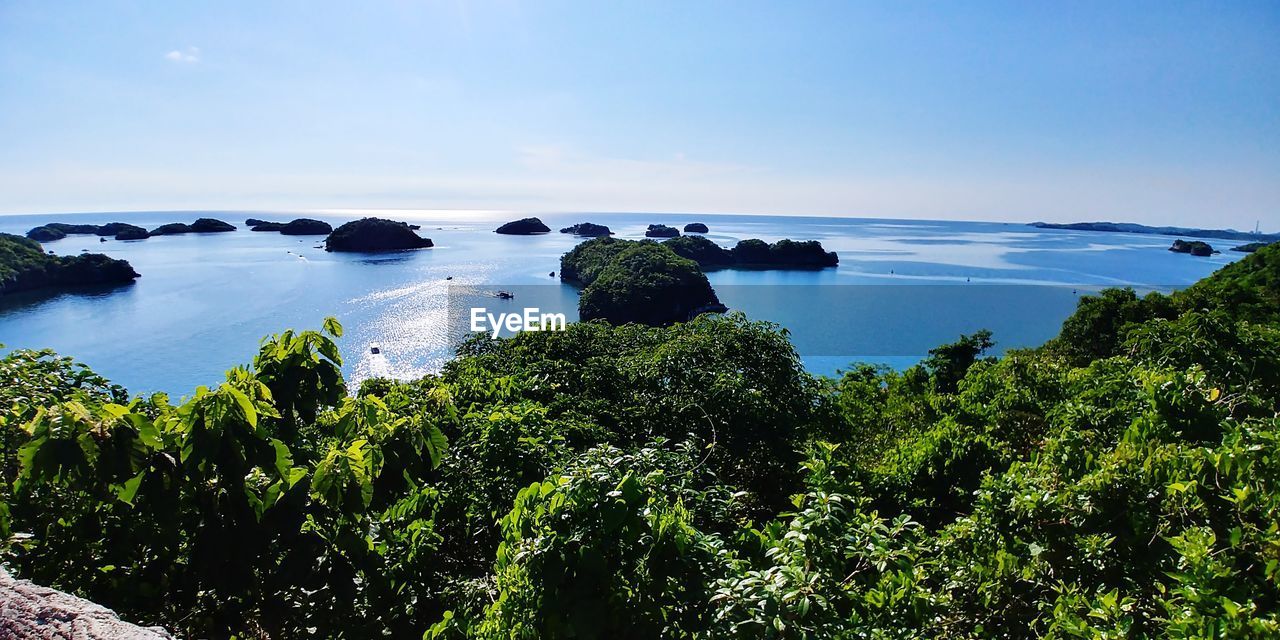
505	295
374	348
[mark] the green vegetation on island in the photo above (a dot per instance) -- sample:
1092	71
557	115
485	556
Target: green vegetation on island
126	231
24	266
661	231
687	481
588	229
1250	247
523	227
1194	247
374	235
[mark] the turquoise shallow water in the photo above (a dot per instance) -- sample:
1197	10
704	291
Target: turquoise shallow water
205	300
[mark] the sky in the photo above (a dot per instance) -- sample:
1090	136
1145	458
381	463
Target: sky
1155	112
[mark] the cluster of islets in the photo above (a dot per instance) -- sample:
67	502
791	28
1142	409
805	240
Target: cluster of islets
632	274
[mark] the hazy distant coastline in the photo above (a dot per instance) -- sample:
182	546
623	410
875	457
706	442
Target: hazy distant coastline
1130	227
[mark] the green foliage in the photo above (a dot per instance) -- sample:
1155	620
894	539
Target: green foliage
648	284
24	265
949	363
687	481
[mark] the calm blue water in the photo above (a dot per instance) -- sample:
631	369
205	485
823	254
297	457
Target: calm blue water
205	300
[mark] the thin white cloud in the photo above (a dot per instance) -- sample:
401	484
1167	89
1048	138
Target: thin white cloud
190	55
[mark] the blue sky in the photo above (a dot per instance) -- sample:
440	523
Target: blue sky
1159	112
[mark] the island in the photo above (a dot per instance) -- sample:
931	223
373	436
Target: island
372	235
1250	247
172	229
1130	227
754	254
131	232
1195	248
253	222
308	227
647	283
24	266
201	225
588	229
46	234
126	231
523	227
706	253
661	231
211	225
695	227
263	225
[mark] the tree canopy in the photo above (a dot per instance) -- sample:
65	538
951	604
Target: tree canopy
683	481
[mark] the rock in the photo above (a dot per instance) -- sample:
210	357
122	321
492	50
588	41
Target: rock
32	612
268	226
415	227
24	265
588	229
130	232
1195	248
523	227
306	227
695	227
172	229
46	234
374	234
211	225
661	231
253	222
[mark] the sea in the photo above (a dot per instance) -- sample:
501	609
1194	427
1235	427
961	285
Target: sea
205	301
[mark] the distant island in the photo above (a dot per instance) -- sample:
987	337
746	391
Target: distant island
1194	247
589	229
754	254
1130	227
657	283
523	227
661	231
125	231
1250	247
24	266
374	235
695	227
296	227
627	281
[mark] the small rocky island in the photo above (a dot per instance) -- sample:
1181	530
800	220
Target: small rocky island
523	227
374	235
754	254
588	229
661	231
1195	248
125	231
201	225
24	266
296	227
695	227
641	282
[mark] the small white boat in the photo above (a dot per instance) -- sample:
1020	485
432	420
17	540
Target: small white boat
374	348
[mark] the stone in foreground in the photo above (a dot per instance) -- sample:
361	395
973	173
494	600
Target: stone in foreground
32	612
